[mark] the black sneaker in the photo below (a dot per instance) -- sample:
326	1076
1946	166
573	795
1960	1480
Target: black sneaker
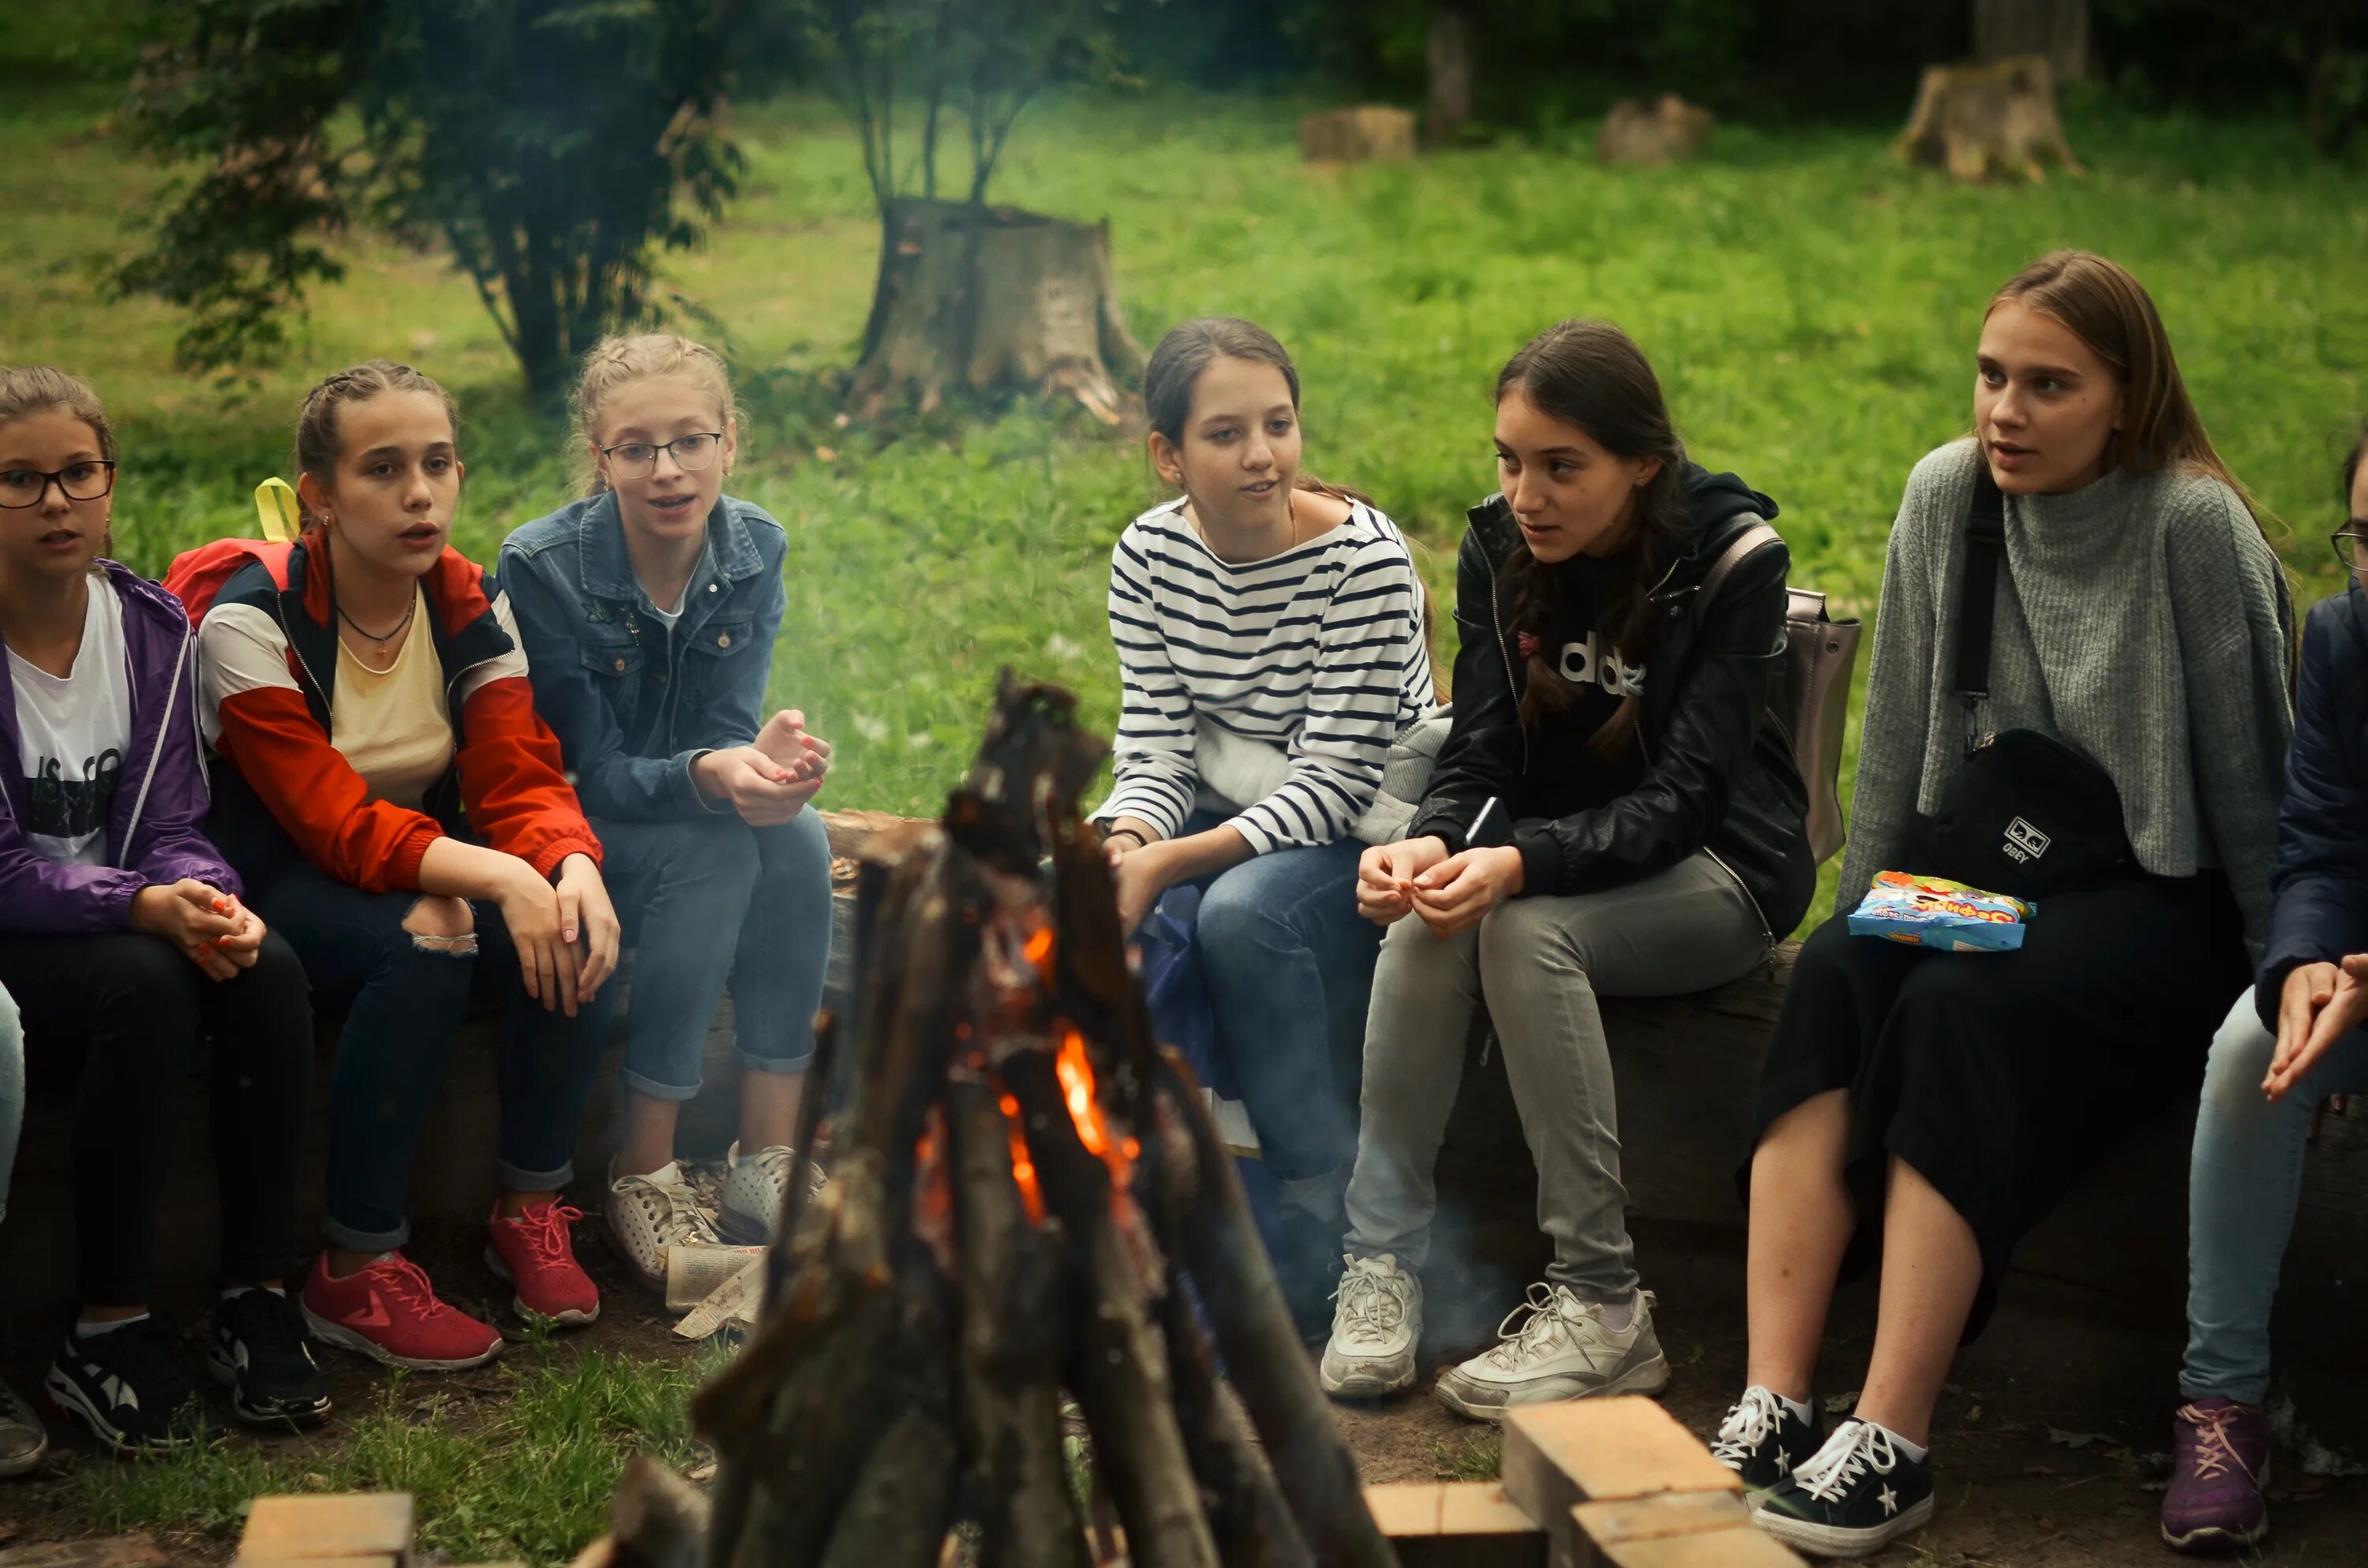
262	1353
125	1387
1762	1441
1853	1497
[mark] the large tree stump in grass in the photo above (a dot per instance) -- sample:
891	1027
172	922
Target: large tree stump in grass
978	297
1975	120
1372	133
1671	129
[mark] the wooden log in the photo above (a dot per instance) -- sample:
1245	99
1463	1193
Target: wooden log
903	1501
657	1519
1251	1524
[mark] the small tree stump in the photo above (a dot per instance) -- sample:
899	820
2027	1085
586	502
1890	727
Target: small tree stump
1669	130
1370	134
1975	120
978	297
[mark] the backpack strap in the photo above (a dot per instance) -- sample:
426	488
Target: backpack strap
1749	542
1977	594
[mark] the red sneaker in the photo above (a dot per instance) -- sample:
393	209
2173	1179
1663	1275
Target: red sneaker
536	1254
389	1312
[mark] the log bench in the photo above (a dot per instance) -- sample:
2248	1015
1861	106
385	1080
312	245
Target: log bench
1687	1069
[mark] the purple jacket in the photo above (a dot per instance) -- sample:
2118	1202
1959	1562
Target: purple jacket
153	836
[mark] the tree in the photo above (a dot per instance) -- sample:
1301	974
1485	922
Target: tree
971	295
2057	30
554	146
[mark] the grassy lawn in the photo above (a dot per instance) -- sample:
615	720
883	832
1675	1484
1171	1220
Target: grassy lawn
1810	304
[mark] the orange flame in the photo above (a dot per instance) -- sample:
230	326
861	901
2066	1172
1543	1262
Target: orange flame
1037	950
1023	1169
933	1189
1076	1071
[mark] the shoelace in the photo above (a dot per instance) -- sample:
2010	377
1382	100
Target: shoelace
2214	1452
1828	1475
544	1227
1746	1426
1549	1309
672	1212
1372	1303
408	1284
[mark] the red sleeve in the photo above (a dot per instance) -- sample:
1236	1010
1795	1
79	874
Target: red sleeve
513	782
318	799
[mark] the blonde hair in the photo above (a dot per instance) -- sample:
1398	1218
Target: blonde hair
619	361
319	435
27	390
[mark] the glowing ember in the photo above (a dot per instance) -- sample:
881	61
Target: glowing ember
1023	1169
1076	1071
1039	951
933	1189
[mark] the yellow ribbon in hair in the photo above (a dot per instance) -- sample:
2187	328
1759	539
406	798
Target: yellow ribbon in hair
276	509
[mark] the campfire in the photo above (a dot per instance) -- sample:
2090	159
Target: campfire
1028	1200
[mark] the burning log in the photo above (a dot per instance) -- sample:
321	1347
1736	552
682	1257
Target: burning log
1020	1186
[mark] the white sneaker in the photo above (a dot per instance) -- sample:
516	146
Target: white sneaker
1374	1330
754	1189
647	1214
1561	1350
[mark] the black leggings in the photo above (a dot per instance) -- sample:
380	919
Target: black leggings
136	1007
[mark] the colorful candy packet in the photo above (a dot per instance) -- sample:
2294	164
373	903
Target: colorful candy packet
1933	911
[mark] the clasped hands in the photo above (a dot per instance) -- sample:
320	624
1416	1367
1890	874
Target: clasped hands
1449	893
770	779
210	927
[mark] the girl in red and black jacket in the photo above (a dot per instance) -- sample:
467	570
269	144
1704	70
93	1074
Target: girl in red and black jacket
391	798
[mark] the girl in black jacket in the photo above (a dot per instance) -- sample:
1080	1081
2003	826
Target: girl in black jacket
1610	814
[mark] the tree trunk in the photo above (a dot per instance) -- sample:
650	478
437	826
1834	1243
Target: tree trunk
1448	49
2057	30
1977	120
989	298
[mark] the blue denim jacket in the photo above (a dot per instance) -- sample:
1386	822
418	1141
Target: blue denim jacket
634	705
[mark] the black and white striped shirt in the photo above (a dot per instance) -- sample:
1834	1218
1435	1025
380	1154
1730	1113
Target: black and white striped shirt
1317	652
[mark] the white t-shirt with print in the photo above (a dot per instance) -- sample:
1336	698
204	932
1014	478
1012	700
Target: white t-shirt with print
73	737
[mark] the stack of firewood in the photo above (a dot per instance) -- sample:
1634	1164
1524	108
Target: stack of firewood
1028	1201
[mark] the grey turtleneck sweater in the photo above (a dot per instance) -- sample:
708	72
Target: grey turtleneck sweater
2143	619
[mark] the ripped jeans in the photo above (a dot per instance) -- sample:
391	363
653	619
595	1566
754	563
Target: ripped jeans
403	995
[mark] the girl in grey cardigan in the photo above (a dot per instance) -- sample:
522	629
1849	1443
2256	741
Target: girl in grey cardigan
1933	1106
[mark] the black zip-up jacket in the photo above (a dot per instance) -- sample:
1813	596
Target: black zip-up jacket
1719	773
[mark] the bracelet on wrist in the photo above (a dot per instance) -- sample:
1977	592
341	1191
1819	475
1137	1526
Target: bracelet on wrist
1140	842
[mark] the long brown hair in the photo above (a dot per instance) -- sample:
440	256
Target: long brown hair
320	436
2110	311
27	390
1591	375
1191	347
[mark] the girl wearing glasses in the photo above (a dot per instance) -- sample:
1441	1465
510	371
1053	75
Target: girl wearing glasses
365	686
649	610
123	937
2288	1044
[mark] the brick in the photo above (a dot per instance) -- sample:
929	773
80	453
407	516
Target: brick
1717	1549
328	1530
1606	1450
1665	1513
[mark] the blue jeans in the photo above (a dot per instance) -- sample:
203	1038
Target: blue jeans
1290	967
12	1091
404	997
2242	1188
679	887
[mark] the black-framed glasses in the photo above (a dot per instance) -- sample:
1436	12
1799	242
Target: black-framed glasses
2349	542
692	453
21	487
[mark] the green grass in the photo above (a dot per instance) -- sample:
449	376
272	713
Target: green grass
1473	1456
523	1470
1811	306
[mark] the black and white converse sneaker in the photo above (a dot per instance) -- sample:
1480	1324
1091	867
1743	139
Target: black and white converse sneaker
1762	1441
1855	1495
262	1353
125	1386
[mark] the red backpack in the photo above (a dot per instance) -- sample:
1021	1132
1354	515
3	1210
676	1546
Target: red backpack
196	576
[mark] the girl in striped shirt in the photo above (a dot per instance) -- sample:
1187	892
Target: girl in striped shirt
1269	633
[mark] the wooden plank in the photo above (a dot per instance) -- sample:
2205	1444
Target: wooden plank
351	1529
1599	1527
1558	1456
1745	1548
1468	1524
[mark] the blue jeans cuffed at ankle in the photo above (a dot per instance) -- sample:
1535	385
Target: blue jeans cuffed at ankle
2243	1184
707	902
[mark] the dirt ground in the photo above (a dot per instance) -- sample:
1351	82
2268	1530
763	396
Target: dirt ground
2042	1449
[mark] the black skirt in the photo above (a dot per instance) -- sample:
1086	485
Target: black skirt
2003	1077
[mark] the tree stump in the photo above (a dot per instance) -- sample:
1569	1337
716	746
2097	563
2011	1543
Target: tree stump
1975	120
1670	130
978	297
1372	133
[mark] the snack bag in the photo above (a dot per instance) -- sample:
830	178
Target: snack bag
1933	911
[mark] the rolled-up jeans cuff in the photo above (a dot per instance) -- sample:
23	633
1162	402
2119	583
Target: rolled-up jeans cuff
516	1180
352	1240
798	1064
657	1091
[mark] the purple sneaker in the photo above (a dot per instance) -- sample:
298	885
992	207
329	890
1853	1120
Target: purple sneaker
2220	1454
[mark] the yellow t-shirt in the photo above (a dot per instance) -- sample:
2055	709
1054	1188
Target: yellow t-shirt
392	724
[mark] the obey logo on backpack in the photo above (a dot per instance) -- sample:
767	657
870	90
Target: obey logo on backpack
196	576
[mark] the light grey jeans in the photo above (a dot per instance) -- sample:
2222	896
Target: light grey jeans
12	1091
1539	964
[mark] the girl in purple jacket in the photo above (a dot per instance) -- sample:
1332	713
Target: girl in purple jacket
122	937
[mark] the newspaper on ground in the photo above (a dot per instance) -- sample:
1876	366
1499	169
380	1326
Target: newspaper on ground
713	1286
